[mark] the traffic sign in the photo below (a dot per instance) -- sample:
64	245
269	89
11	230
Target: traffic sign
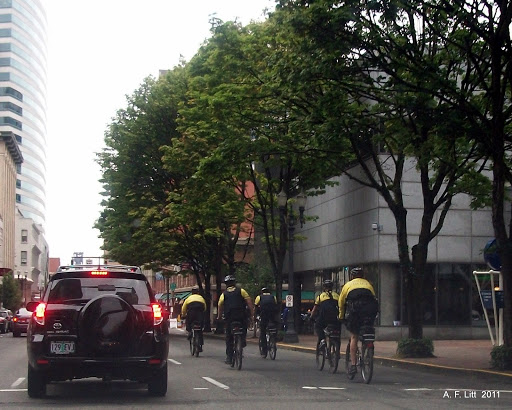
289	300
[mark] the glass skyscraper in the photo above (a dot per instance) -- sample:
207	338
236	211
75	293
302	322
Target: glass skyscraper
23	82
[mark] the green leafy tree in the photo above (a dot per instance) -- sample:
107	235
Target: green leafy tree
136	183
238	123
10	293
370	60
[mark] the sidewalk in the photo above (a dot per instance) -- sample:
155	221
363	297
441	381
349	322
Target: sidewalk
471	356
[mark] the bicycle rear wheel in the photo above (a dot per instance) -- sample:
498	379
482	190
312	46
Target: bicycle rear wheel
320	356
348	362
196	344
367	363
334	356
263	352
272	347
238	353
192	345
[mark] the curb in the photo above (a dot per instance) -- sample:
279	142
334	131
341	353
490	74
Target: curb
395	362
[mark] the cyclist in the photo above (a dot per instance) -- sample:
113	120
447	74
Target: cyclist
193	310
326	308
357	306
233	303
266	308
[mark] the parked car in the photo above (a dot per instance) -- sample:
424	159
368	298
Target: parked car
5	320
20	322
97	321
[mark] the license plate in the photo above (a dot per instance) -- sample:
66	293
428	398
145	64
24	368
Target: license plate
62	347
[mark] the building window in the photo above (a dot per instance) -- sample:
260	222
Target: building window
24	236
18	183
23	258
18	198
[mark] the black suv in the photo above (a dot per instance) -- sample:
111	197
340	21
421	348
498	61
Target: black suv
97	321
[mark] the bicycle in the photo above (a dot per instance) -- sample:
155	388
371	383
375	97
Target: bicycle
195	340
271	336
329	348
364	360
237	331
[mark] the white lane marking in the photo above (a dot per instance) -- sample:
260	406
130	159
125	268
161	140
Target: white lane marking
420	389
10	390
17	382
201	388
323	388
216	383
173	361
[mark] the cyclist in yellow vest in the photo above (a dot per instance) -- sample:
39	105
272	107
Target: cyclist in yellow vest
326	308
193	310
357	306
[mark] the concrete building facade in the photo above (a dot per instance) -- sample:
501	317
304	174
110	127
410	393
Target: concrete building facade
356	228
10	158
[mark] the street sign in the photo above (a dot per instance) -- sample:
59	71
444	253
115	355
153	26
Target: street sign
289	300
172	286
487	299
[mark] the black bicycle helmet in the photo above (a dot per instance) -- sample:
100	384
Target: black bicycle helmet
229	278
265	290
356	272
328	284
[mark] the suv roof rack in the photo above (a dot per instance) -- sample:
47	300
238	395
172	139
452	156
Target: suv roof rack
127	268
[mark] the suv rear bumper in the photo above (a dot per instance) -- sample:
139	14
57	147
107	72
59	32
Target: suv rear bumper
67	368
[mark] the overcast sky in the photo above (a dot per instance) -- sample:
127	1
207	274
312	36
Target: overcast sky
100	51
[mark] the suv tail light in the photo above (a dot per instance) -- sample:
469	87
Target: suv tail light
39	313
157	314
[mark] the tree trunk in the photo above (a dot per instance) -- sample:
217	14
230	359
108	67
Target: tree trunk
506	271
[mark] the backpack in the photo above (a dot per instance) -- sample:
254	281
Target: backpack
328	310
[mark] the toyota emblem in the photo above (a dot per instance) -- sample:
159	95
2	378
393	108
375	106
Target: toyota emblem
57	325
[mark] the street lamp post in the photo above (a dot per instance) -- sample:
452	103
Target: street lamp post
290	335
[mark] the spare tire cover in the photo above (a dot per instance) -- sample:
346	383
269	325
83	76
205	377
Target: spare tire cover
107	325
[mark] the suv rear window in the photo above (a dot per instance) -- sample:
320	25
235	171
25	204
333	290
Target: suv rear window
73	289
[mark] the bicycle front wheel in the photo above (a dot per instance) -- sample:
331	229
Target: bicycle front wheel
334	356
320	356
348	363
272	347
367	363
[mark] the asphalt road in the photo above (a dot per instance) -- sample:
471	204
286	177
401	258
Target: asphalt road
289	382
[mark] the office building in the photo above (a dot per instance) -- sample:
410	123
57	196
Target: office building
23	82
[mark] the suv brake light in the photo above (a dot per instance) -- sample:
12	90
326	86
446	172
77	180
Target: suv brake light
157	314
99	273
39	313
